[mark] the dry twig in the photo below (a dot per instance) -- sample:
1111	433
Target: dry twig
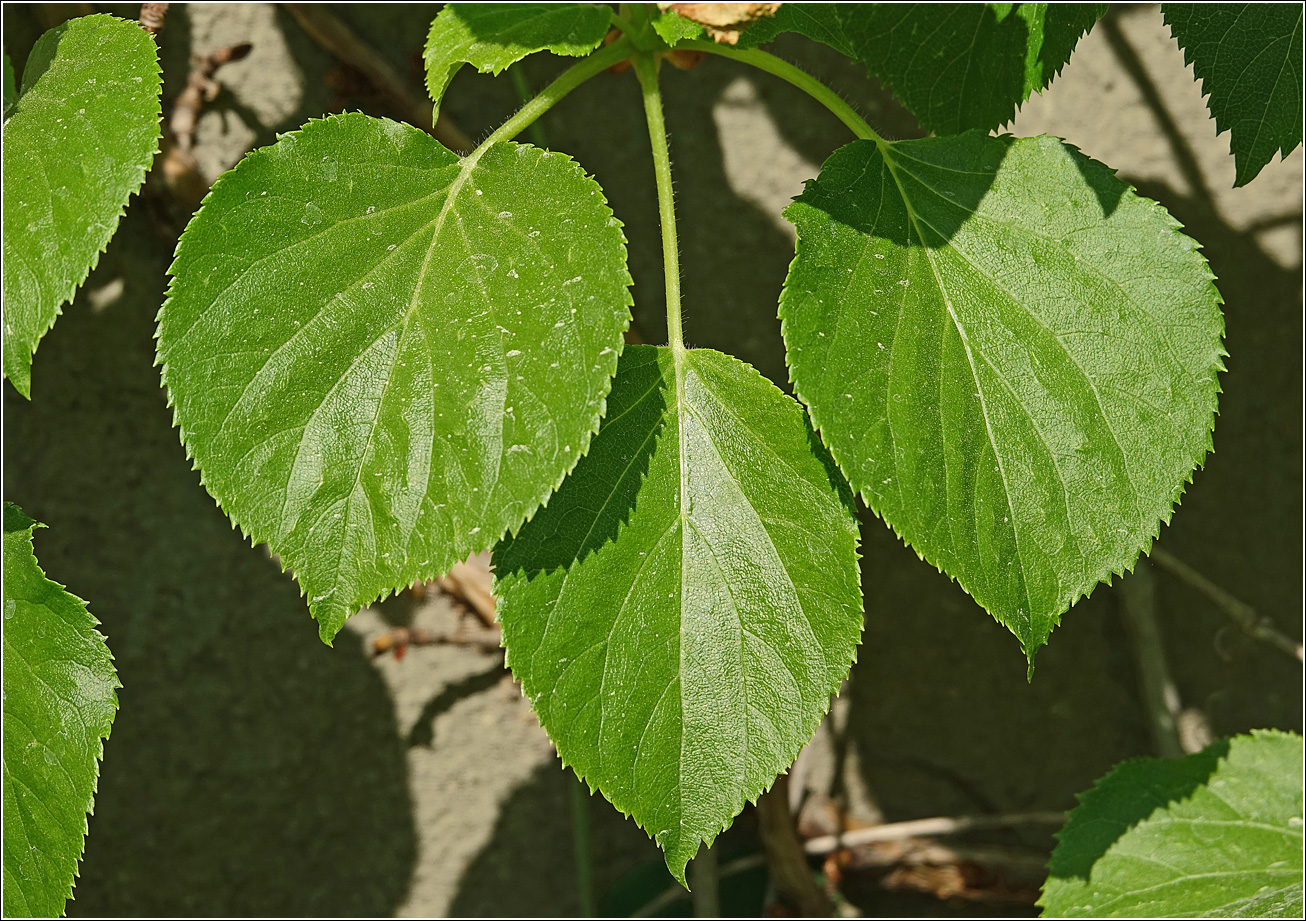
152	15
470	584
398	639
177	164
784	853
338	39
891	831
1242	614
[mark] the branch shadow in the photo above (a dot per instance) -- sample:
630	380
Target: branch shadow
246	758
423	732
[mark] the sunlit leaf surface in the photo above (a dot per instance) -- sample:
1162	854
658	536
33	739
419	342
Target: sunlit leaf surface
59	703
382	357
682	610
77	143
1217	834
1011	356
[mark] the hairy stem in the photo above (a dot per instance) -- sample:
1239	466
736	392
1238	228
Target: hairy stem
523	90
799	78
552	94
646	70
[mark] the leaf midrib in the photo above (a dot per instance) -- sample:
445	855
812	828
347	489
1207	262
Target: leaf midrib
886	157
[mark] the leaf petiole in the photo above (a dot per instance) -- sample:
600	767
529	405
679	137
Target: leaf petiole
646	70
555	92
788	72
620	23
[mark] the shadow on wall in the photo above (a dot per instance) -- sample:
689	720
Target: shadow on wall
528	869
942	717
251	770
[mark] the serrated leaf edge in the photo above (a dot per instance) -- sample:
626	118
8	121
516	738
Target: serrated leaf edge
1121	569
468	164
25	386
95	622
808	730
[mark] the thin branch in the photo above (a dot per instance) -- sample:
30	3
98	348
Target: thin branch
1160	695
893	831
152	15
784	853
471	585
398	639
675	893
705	884
201	87
177	166
338	39
1241	613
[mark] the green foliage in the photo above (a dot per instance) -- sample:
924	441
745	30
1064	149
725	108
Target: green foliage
682	610
1215	834
953	66
381	356
1249	59
493	36
77	144
59	704
1011	356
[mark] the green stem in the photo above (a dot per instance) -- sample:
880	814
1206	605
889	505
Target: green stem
618	22
523	89
646	70
799	78
582	852
552	94
705	884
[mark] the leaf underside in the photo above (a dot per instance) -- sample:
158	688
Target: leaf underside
59	704
77	144
493	36
1217	834
383	357
953	66
682	610
1249	59
671	27
1010	355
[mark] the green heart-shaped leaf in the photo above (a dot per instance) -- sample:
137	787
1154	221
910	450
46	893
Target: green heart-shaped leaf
1217	834
383	357
682	610
493	36
1011	356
